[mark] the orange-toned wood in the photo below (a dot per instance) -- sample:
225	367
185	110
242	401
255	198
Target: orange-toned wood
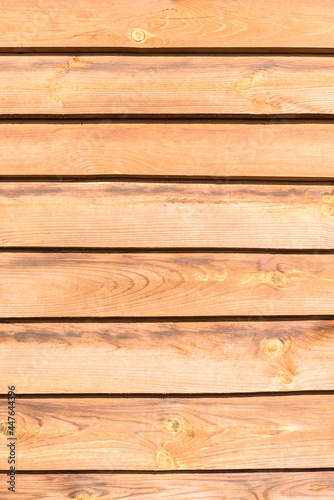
157	215
164	284
267	486
167	357
218	24
165	434
235	150
127	85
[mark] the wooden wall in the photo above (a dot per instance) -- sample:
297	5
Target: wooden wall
166	260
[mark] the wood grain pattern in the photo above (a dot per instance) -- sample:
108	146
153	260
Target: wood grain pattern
165	434
166	215
218	24
123	285
217	357
267	486
234	150
127	85
114	371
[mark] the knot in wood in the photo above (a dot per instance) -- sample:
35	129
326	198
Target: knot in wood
138	35
172	425
4	429
164	460
285	377
274	348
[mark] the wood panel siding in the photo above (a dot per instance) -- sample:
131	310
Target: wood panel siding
173	434
143	24
137	86
267	486
168	357
166	215
242	150
167	249
165	284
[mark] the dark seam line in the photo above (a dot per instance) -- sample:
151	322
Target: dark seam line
167	179
174	472
176	119
163	251
166	116
161	319
171	396
171	52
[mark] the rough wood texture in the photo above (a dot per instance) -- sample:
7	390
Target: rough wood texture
127	85
167	357
265	486
157	215
165	284
218	24
234	150
165	434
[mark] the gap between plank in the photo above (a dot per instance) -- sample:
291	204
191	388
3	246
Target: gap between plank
168	116
161	319
162	250
182	395
84	179
166	51
171	472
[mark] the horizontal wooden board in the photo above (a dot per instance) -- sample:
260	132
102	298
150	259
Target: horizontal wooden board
164	284
174	358
127	85
168	434
218	24
166	215
105	148
267	486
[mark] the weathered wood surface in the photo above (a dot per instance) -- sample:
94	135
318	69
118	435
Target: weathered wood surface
164	284
267	486
164	215
208	357
165	434
218	24
127	85
235	150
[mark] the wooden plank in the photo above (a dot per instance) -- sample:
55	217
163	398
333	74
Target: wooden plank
267	486
217	357
127	85
234	150
218	24
165	434
165	284
163	215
